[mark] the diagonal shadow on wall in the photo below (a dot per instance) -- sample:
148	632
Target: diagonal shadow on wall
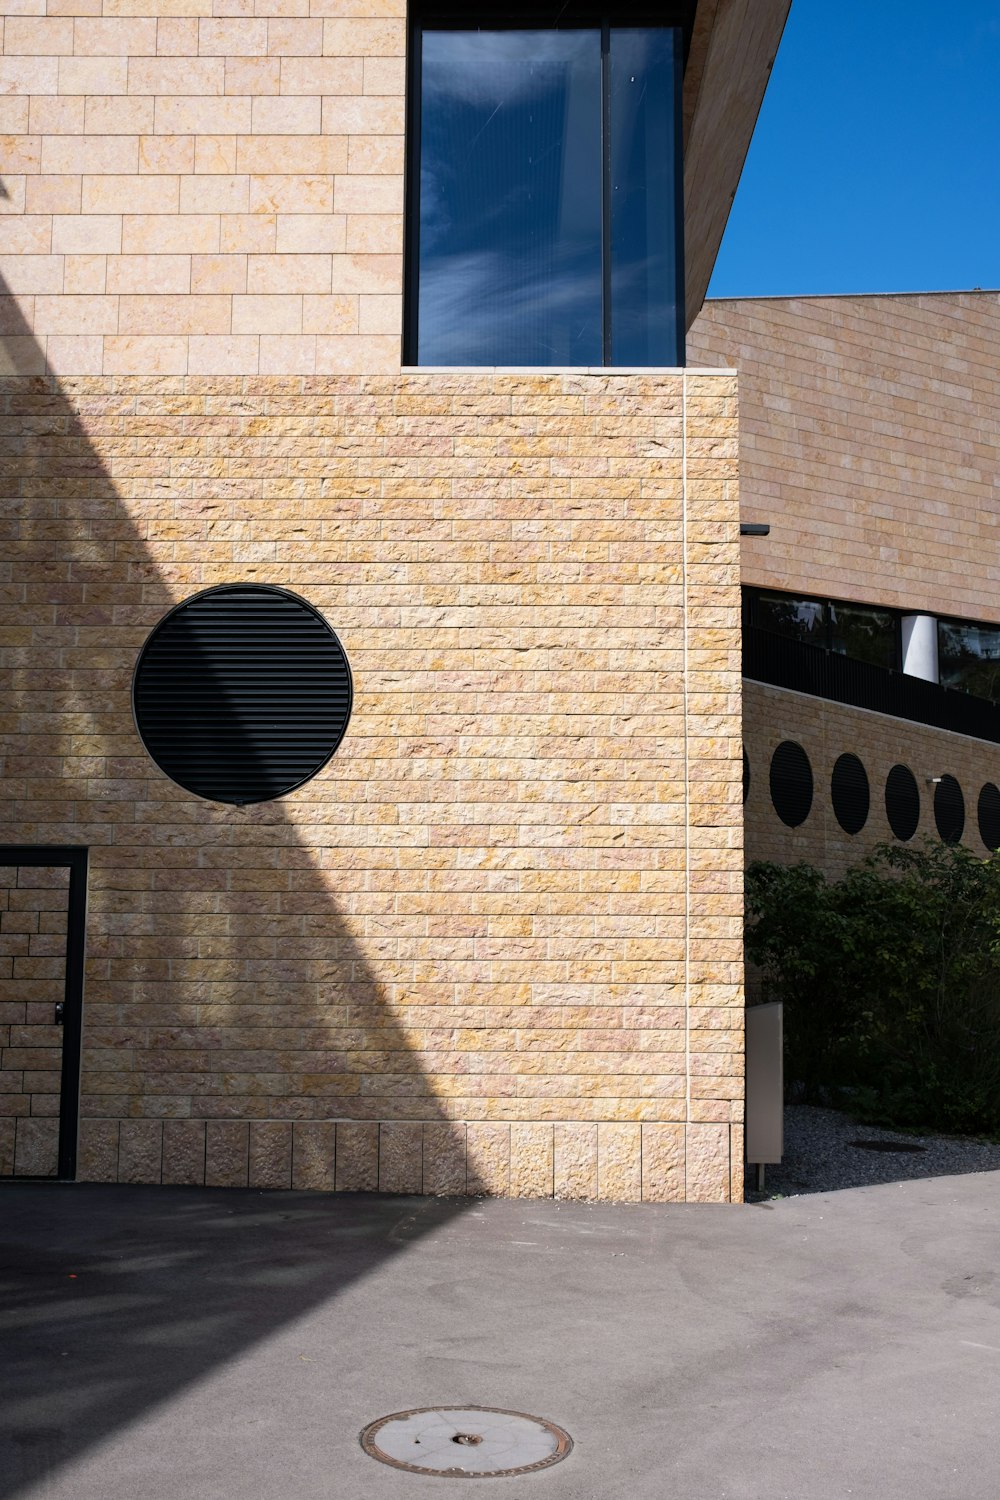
230	1008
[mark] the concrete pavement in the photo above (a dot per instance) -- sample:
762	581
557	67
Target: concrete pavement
193	1344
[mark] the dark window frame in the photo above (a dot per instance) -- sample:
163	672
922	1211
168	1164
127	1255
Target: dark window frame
956	621
752	593
450	15
75	858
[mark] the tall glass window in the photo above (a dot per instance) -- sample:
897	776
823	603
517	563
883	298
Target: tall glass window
646	298
548	223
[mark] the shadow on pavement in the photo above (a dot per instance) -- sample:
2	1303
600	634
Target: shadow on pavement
114	1299
225	981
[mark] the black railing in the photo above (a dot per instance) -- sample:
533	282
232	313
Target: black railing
826	674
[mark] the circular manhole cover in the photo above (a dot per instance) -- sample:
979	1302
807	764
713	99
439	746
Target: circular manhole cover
465	1442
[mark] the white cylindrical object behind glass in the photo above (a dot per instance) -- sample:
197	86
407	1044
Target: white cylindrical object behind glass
920	647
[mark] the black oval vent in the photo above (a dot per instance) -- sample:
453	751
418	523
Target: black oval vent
849	793
242	693
791	783
949	810
989	816
902	802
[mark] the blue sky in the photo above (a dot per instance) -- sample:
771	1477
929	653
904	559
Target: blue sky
875	166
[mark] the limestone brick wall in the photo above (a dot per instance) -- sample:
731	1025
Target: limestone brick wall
826	731
869	441
207	187
496	944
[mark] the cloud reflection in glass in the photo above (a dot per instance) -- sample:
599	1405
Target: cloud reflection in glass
513	175
510	198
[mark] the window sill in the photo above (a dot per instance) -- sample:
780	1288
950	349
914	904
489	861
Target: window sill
592	370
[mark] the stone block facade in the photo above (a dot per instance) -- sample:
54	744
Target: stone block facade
870	446
869	443
495	946
828	730
204	187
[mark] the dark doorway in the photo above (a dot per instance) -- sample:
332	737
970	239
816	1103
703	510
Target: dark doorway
43	913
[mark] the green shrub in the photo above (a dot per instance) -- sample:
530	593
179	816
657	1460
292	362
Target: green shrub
891	982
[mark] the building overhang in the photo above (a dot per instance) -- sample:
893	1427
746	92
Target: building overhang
732	49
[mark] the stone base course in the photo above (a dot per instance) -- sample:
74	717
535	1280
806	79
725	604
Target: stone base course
622	1162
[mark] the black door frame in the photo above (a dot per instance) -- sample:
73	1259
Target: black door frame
74	858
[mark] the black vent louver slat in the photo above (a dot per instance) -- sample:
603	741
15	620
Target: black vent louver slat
989	816
849	793
949	810
902	802
791	782
242	693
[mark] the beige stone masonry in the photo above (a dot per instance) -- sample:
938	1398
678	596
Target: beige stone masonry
183	180
869	441
828	730
495	946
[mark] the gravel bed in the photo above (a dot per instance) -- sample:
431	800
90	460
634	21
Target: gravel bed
820	1157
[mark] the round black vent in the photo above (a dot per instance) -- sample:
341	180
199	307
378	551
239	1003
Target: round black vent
849	793
242	693
791	783
949	810
746	776
989	816
902	802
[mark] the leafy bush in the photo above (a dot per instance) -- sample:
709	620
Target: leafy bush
891	982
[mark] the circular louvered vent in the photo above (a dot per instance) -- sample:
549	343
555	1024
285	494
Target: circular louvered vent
849	793
242	693
902	802
746	776
949	810
989	816
791	783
